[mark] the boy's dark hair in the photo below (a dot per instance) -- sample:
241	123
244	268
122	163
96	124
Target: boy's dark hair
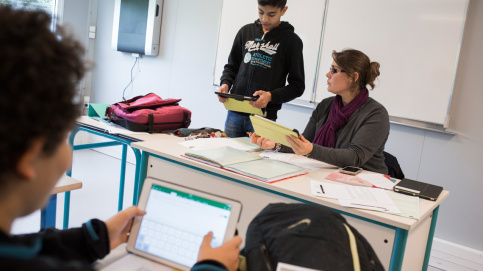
39	71
274	3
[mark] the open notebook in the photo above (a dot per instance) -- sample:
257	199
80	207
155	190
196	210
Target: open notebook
176	220
245	163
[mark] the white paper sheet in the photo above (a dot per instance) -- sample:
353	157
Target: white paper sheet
113	128
377	180
355	196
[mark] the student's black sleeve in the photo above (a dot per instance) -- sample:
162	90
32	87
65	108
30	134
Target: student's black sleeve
296	76
234	61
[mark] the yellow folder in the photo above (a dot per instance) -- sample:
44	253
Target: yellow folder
242	106
272	130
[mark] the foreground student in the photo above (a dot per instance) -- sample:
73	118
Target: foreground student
38	74
349	129
262	55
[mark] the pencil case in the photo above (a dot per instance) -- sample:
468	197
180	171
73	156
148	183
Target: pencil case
149	113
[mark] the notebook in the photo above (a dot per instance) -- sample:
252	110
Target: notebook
222	156
173	228
246	163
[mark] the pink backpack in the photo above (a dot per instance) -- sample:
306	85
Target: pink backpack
149	113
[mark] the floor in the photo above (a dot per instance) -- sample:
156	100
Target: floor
98	197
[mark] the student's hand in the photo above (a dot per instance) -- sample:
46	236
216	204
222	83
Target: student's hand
227	254
301	145
223	89
119	225
262	142
261	102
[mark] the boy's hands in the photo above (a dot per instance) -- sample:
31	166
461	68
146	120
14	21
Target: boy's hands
223	89
227	254
265	98
119	225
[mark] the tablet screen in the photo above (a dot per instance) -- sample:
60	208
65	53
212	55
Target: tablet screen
176	222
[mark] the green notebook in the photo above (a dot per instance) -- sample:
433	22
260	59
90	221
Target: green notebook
267	170
223	156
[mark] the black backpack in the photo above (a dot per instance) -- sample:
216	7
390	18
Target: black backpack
306	235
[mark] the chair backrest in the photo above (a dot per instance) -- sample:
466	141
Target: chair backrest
392	164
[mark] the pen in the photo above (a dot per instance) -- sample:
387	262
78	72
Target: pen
249	134
322	188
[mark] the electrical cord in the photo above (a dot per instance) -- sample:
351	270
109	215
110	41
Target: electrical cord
124	91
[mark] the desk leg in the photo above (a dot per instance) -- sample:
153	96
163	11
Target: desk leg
398	250
47	215
141	170
123	177
430	238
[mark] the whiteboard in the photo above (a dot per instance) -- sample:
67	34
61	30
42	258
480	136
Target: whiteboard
416	42
305	15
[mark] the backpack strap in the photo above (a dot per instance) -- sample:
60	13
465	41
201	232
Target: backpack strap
353	245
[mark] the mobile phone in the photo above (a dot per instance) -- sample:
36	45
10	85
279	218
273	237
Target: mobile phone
351	170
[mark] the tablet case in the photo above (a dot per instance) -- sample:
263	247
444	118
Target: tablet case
272	130
237	97
420	189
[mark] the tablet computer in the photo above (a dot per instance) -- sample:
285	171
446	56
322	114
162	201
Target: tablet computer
237	97
272	130
177	218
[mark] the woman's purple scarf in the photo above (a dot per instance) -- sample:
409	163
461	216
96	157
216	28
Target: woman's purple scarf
338	117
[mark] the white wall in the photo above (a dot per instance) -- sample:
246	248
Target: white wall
184	69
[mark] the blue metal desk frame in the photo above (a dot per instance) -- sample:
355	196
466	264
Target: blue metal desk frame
400	239
117	140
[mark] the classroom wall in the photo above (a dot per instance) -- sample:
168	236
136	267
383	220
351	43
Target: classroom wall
184	69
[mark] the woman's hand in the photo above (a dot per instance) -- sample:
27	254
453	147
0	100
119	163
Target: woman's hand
119	225
227	254
262	142
301	145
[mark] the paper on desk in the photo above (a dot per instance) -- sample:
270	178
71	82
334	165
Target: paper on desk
113	128
377	180
239	143
408	205
355	196
295	160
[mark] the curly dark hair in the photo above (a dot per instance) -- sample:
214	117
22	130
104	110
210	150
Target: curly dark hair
39	70
273	3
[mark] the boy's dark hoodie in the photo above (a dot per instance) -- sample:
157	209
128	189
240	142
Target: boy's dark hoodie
259	61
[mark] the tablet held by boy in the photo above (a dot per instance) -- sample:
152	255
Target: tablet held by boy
265	56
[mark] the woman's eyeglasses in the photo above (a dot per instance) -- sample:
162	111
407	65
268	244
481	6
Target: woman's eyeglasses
334	70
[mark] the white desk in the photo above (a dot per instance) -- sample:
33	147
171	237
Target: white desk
65	184
400	243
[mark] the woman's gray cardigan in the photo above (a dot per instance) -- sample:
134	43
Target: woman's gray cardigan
359	143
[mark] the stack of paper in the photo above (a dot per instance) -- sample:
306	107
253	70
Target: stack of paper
245	163
368	198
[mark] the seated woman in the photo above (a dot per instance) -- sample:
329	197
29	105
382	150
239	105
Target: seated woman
349	129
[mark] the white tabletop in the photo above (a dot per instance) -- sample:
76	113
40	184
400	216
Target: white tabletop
65	184
299	187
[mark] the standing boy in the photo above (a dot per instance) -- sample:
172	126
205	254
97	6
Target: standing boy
264	55
38	74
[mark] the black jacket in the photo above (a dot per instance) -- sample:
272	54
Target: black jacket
261	61
51	249
71	249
